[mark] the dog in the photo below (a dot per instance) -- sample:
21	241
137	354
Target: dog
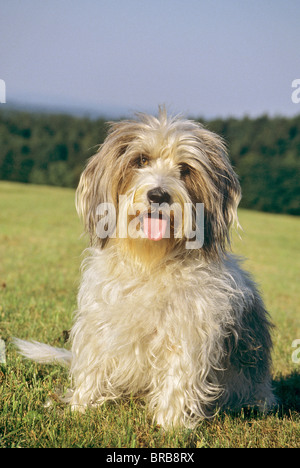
171	319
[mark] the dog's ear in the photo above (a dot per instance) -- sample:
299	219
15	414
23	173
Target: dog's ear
100	182
90	194
221	194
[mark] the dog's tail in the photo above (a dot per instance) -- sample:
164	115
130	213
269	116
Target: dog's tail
43	353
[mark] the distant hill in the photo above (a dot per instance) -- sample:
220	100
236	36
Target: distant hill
106	111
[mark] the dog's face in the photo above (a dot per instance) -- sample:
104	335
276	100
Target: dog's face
149	170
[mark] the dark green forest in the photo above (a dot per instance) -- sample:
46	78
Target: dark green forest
53	149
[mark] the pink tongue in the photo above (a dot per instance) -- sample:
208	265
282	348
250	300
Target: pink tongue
154	228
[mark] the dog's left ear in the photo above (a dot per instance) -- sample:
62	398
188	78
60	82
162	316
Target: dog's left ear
223	194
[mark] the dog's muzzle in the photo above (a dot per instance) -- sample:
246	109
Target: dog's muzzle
155	222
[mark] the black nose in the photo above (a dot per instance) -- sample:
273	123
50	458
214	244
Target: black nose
158	195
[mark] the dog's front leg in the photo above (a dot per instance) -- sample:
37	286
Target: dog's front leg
171	398
87	391
82	397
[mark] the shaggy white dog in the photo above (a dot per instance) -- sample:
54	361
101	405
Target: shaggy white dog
164	311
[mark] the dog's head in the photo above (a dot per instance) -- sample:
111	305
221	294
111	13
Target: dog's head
144	183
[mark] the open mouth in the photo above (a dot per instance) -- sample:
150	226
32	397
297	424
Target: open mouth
155	225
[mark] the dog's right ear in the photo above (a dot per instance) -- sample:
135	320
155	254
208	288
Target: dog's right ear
96	196
90	193
101	181
99	184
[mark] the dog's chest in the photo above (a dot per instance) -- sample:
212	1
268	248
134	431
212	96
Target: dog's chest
161	297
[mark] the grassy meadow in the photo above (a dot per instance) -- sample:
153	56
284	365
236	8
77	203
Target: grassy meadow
40	255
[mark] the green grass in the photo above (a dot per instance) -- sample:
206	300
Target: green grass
40	254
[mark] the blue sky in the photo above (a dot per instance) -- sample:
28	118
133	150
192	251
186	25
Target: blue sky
199	57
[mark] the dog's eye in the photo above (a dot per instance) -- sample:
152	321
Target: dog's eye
184	170
142	161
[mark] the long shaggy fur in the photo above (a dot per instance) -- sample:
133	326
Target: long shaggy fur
184	328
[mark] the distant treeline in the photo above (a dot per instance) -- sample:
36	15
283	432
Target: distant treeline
52	149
